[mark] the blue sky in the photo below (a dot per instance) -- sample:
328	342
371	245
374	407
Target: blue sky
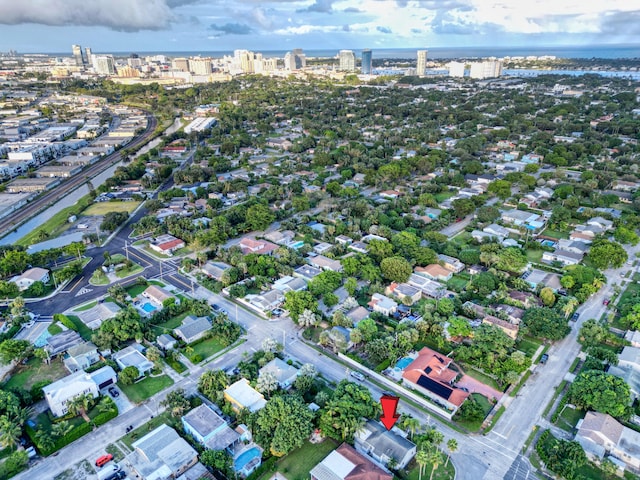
217	25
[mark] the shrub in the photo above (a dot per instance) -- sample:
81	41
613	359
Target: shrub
104	417
64	320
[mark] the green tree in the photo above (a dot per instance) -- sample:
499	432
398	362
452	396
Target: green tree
452	446
422	459
12	349
10	431
259	217
283	424
545	323
606	254
396	269
602	392
511	259
212	384
61	428
217	459
626	236
343	415
177	402
298	302
80	405
500	188
128	375
547	296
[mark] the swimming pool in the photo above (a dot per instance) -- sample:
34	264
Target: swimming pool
147	307
548	243
296	245
403	363
41	341
245	458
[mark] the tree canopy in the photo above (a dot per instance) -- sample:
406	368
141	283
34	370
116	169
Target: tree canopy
602	392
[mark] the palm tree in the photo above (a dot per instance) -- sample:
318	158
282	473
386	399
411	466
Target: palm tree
422	458
79	406
105	405
452	446
61	428
10	431
411	425
44	440
435	458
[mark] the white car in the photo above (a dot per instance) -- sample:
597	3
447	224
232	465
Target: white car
357	375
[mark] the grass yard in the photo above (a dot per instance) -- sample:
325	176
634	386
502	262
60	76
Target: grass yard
145	388
205	349
56	224
86	307
442	473
528	345
474	425
154	254
555	233
482	377
102	208
127	272
163	418
135	290
99	278
569	417
442	196
457	283
84	331
25	376
170	324
534	256
298	464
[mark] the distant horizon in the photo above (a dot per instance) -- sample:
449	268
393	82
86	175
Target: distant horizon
584	51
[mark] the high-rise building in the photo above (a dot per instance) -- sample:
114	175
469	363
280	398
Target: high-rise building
200	66
104	64
180	64
422	62
270	64
77	55
486	69
243	60
367	63
456	69
88	56
295	60
347	61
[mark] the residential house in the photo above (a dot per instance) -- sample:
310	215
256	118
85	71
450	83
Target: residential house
573	246
629	358
133	357
633	337
631	377
104	377
509	328
527	299
435	272
601	434
382	304
340	337
430	374
31	276
451	263
343	240
307	272
284	373
514	314
166	244
325	263
322	247
267	301
193	328
290	284
166	342
345	463
161	454
262	247
63	341
404	291
158	295
429	288
475	310
101	311
209	429
600	222
383	445
357	314
536	277
520	217
390	194
82	356
565	257
215	270
59	393
476	269
358	247
280	237
241	395
480	236
496	230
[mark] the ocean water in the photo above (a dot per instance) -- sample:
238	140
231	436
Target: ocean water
583	51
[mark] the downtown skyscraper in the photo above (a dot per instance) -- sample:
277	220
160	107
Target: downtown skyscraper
367	65
422	62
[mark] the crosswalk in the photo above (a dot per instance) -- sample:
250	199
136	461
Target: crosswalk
84	291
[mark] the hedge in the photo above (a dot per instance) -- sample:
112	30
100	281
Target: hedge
383	365
64	320
104	417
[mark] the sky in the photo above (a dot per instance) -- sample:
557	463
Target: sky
224	25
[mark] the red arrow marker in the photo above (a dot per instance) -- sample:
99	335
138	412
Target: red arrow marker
389	416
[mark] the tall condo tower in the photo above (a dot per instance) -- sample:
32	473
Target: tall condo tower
367	66
77	55
347	61
422	62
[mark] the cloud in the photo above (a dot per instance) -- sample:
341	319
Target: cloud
620	23
386	30
122	15
319	6
352	10
232	29
416	30
305	29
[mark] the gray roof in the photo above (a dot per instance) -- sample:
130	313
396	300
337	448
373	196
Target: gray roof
131	357
103	374
192	326
81	349
281	370
165	339
382	441
162	447
205	422
62	341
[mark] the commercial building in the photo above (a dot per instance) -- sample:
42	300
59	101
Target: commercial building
367	62
77	55
31	185
347	61
456	69
486	69
422	62
200	124
200	66
104	64
294	60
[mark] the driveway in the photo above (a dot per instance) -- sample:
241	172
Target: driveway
476	386
121	401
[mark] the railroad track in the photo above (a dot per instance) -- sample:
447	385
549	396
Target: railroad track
36	206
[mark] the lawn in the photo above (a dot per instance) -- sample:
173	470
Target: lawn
99	278
482	377
135	290
528	346
84	331
204	349
145	388
169	325
86	307
534	256
442	473
298	464
102	208
457	283
56	224
127	272
442	196
554	233
569	417
163	418
25	376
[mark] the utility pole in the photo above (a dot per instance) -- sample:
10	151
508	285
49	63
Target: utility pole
126	250
160	262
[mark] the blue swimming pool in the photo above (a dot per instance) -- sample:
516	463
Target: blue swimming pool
403	363
548	243
41	341
296	245
245	458
147	307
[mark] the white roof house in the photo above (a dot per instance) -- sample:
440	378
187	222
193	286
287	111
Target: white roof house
60	392
132	357
242	395
284	373
31	276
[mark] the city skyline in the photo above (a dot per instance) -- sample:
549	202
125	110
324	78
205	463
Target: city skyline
212	25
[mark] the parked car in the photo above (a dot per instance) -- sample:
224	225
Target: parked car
605	302
215	307
113	391
544	358
575	317
357	375
103	460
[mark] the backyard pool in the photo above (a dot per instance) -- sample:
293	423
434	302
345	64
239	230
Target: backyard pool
297	245
548	243
41	341
147	307
244	461
403	363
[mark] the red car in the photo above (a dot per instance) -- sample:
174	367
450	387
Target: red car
605	302
104	459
